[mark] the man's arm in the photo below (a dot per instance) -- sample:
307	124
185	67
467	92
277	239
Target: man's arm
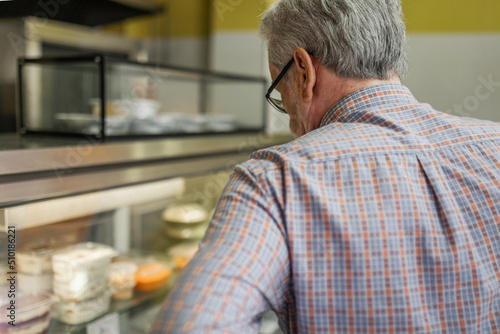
241	269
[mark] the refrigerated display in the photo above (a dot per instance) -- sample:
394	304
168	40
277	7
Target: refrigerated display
65	198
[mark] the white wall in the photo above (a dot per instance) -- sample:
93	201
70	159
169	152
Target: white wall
456	73
243	52
178	51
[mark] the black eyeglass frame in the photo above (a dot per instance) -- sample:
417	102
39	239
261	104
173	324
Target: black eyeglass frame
278	104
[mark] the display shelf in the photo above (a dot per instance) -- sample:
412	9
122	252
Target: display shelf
68	168
133	179
61	209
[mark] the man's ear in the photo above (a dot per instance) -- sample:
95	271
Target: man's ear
306	72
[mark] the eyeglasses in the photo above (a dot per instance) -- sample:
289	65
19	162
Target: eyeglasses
277	103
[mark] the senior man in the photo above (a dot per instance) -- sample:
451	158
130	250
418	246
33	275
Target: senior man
381	217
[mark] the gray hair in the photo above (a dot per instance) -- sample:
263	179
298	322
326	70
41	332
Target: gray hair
363	39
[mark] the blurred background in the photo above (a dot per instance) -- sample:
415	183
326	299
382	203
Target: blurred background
454	46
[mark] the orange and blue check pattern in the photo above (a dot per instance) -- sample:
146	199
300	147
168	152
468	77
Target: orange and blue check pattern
384	220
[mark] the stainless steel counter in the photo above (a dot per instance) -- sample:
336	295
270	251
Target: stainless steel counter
34	169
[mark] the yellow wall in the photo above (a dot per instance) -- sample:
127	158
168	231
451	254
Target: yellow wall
452	15
181	18
420	15
234	15
195	18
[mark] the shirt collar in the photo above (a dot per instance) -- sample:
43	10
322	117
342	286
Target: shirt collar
350	108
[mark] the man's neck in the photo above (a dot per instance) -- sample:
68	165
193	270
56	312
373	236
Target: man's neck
331	88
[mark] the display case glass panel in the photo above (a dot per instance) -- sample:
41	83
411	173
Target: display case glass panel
111	97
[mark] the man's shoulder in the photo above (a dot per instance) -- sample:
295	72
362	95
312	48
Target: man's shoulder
345	140
317	145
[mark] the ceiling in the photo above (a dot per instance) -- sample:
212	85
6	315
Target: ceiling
85	12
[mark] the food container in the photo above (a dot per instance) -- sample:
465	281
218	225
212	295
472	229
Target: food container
35	260
117	107
185	221
193	123
190	213
185	232
83	261
152	276
35	283
182	253
122	279
81	289
117	126
143	108
176	122
78	313
146	126
90	124
169	122
31	315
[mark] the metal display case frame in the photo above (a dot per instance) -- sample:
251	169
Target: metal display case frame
101	60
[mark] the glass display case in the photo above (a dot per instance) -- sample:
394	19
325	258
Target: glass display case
106	97
98	232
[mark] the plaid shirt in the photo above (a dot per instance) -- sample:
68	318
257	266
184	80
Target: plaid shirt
386	219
